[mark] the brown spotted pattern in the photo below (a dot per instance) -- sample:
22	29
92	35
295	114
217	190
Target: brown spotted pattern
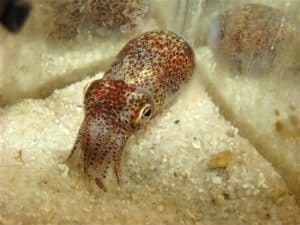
73	15
248	37
162	62
146	75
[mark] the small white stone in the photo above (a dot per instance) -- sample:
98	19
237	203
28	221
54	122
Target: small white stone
160	208
66	131
217	180
165	159
196	145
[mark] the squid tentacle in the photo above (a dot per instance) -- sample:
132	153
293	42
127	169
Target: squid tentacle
147	74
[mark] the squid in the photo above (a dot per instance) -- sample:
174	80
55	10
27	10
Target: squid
146	76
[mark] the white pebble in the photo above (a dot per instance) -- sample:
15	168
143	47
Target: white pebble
160	208
217	180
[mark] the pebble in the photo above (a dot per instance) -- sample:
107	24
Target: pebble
160	208
220	160
217	180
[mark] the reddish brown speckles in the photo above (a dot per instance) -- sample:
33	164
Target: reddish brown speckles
145	77
249	37
73	16
167	62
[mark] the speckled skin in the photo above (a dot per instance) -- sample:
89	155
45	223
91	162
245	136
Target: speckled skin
248	37
145	77
72	17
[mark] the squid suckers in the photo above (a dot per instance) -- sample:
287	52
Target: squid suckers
145	77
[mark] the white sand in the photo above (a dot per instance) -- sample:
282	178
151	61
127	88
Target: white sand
32	64
166	178
266	109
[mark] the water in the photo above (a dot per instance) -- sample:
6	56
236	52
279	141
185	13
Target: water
226	151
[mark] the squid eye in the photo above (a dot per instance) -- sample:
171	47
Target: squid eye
145	113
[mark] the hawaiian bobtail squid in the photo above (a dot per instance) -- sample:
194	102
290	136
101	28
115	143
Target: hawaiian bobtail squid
145	77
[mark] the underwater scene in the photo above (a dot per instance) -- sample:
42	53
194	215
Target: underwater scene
150	112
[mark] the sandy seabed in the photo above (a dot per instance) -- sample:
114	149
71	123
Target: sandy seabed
189	166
